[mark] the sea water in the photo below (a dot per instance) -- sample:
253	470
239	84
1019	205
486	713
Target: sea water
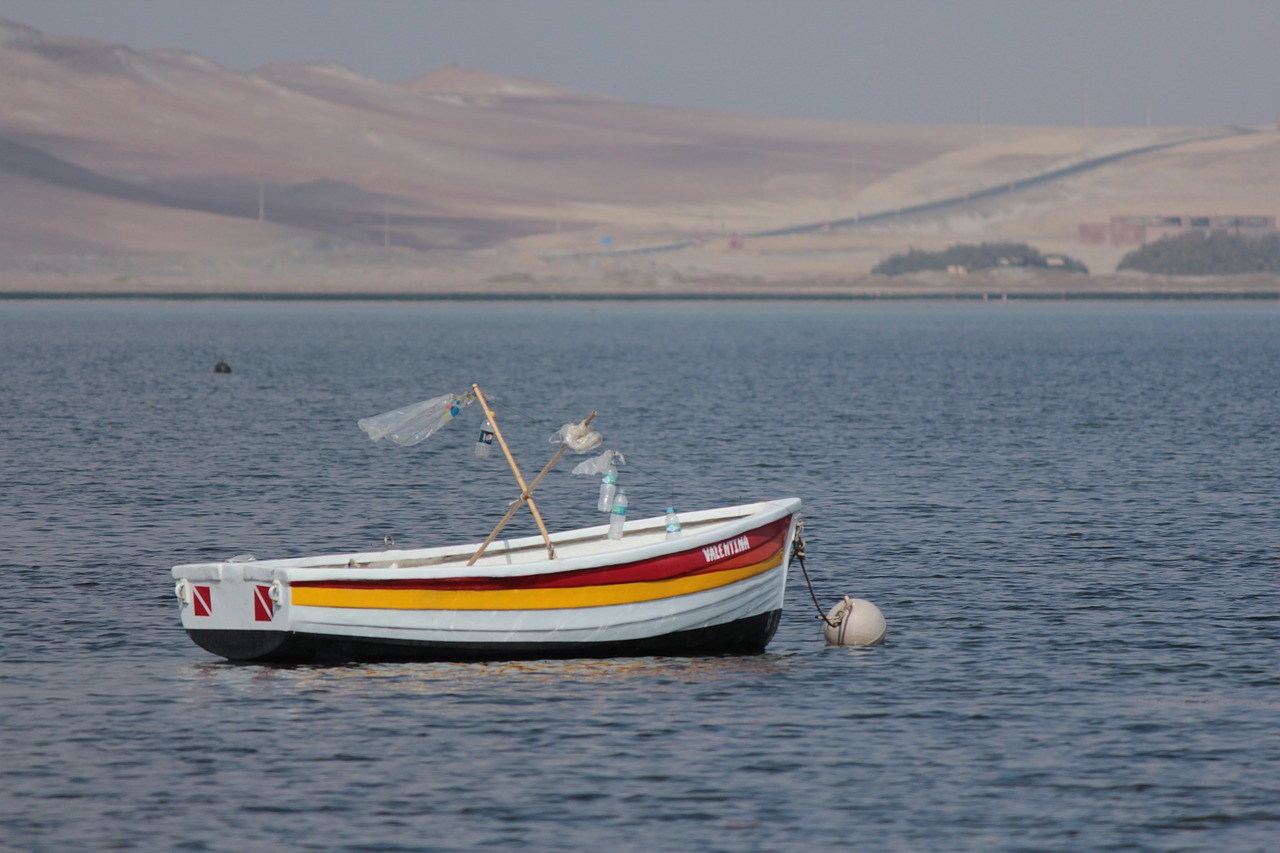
1068	513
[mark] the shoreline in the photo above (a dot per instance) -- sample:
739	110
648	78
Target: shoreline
514	278
1010	296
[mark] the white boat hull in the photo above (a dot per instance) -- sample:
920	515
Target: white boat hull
717	588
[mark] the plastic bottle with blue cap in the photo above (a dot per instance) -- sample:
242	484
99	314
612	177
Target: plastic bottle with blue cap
618	515
673	523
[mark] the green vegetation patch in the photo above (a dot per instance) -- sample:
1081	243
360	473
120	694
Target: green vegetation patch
971	258
1215	253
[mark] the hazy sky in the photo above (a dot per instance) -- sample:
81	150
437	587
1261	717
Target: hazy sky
922	61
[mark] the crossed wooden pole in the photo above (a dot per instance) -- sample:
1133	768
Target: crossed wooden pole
526	491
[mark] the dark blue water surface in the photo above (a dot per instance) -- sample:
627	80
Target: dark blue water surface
1068	513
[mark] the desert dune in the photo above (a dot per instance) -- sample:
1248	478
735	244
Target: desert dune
162	172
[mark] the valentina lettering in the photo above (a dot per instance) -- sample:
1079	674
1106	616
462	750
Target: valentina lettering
728	548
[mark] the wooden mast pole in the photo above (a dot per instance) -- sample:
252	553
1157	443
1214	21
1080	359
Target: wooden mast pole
515	469
524	496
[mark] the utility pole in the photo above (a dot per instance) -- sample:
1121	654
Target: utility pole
262	203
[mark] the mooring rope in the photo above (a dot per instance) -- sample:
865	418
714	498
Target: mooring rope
797	552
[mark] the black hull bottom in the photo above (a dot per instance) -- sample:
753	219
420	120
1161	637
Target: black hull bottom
745	636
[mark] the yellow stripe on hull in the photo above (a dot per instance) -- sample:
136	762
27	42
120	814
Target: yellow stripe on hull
525	599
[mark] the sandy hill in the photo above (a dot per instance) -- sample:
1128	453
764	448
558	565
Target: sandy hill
166	159
459	80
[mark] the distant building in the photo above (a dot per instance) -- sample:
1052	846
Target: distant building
1140	230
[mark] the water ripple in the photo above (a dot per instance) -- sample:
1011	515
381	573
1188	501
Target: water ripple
1067	514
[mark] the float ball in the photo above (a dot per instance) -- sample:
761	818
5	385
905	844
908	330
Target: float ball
854	622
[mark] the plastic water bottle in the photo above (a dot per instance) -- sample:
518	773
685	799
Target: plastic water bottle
618	515
608	488
673	523
484	444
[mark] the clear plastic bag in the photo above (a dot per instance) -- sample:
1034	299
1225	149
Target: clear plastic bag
412	424
598	465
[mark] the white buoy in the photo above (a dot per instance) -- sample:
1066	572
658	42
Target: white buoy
854	622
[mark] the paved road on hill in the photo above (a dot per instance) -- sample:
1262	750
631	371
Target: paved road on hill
929	207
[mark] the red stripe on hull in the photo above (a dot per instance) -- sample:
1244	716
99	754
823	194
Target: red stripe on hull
762	543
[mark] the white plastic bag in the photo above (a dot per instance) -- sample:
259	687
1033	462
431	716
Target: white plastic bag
579	437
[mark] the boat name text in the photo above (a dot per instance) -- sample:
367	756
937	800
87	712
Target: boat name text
728	548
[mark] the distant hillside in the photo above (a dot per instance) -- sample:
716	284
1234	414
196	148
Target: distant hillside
456	79
431	168
107	151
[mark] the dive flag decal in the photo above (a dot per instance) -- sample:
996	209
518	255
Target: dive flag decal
202	600
263	607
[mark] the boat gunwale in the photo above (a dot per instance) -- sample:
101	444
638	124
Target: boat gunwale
701	528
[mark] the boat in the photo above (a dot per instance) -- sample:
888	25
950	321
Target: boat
714	586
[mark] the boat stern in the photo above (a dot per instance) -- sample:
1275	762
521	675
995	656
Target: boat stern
236	610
